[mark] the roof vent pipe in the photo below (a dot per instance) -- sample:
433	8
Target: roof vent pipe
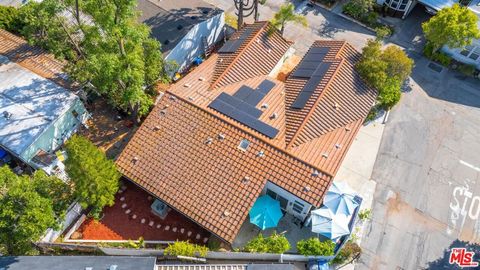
209	140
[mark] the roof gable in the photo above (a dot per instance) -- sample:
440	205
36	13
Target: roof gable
261	42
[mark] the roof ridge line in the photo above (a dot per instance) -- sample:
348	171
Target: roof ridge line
250	133
310	112
214	84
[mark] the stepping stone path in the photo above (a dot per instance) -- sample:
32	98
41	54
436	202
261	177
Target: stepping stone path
124	205
134	216
120	191
189	233
198	236
182	230
150	224
205	240
142	221
174	229
128	211
167	228
122	199
158	226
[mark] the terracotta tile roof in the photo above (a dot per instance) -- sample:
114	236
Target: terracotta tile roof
195	87
33	58
341	100
257	55
170	157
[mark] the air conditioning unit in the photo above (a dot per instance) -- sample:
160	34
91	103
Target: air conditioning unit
160	209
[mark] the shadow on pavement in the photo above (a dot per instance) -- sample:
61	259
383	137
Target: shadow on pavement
443	262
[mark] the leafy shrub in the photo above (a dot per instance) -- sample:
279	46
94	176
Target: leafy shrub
467	69
231	20
365	214
428	50
348	252
275	243
184	248
315	247
213	244
383	31
370	18
442	58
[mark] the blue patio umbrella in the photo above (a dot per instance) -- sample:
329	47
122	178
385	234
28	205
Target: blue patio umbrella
266	212
339	199
329	224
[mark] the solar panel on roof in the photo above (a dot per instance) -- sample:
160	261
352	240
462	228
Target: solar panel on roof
303	72
265	86
244	111
322	69
233	44
254	98
301	100
243	92
240	104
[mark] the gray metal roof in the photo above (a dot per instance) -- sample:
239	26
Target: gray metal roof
172	19
76	263
33	102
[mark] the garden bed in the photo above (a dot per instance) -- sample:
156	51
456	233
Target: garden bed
368	16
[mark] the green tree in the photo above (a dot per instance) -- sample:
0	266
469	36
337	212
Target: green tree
10	19
25	214
314	247
108	48
287	14
54	189
454	26
385	70
95	178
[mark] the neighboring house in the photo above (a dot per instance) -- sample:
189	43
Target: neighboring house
77	263
185	28
38	113
228	132
470	54
401	8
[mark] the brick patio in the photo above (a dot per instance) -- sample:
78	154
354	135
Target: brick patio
131	217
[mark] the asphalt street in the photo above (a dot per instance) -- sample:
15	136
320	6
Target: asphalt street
427	171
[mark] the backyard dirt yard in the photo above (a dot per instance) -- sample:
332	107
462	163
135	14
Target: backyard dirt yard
108	129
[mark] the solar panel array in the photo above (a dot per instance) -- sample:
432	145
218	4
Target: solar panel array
313	68
242	107
232	45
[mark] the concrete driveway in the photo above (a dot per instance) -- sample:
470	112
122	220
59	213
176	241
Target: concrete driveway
427	197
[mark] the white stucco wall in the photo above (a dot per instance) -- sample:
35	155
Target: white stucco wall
291	199
455	53
191	45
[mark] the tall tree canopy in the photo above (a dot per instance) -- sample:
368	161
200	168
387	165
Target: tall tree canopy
95	177
454	26
106	45
386	70
29	206
287	14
